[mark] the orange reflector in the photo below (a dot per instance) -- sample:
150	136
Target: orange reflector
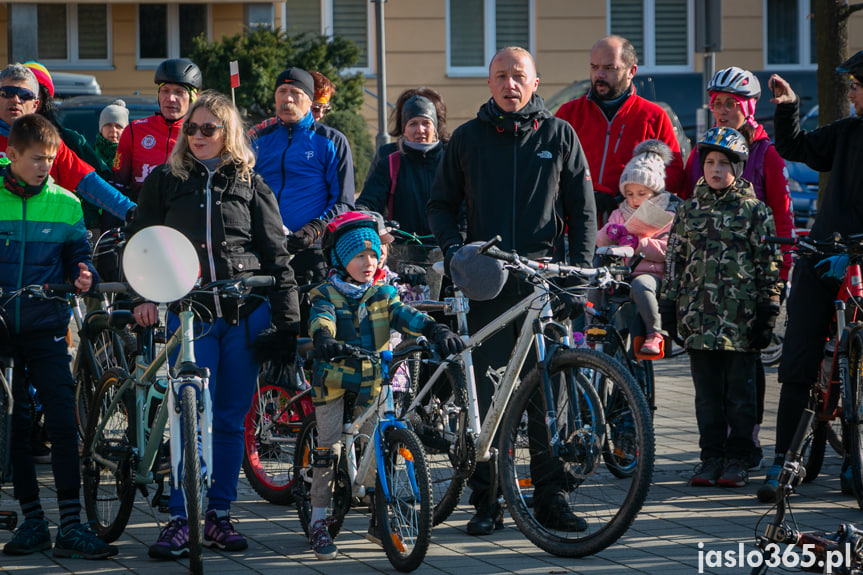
525	482
406	455
397	542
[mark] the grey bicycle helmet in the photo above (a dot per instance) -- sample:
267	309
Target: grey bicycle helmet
179	71
736	81
479	277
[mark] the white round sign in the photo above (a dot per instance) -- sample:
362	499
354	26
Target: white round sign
160	264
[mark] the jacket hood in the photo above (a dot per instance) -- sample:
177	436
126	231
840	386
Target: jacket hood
519	122
739	189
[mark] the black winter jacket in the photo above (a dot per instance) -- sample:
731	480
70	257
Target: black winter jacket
837	148
244	236
413	187
523	176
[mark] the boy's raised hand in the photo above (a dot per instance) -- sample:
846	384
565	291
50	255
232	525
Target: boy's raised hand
85	278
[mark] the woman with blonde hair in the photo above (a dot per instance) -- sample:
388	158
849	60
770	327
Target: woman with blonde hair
209	191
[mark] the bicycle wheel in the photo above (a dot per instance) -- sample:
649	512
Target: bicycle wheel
271	429
855	427
192	478
404	508
441	423
307	440
107	460
5	426
813	450
607	505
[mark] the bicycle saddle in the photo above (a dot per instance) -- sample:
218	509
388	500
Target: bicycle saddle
618	251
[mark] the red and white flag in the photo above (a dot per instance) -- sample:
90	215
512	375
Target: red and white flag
235	74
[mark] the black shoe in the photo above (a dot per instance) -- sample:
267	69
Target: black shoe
486	520
553	513
41	452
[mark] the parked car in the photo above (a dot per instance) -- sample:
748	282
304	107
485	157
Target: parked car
68	85
82	113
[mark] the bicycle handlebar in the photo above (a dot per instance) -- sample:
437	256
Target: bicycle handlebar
489	249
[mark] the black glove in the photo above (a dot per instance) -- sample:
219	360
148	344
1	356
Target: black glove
303	238
762	326
413	275
326	346
668	312
450	252
275	345
446	340
605	202
567	305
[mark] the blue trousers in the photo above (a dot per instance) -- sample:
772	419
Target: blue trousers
226	352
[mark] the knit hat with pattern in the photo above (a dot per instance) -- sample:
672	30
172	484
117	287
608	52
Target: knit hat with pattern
647	166
353	242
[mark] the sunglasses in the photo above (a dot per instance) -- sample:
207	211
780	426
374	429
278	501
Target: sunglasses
207	130
853	86
23	94
321	108
729	105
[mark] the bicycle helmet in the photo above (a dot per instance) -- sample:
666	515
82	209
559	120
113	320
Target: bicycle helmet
735	81
726	140
179	71
853	65
338	227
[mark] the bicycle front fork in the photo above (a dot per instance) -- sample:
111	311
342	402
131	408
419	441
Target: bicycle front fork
205	424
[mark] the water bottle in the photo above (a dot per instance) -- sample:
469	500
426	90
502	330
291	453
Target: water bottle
827	364
155	394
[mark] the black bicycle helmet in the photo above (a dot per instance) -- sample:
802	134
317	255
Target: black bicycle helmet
337	227
853	65
735	81
179	71
726	140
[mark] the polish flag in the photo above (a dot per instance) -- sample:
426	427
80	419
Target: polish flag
235	74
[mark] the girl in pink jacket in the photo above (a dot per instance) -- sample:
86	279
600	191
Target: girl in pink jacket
645	228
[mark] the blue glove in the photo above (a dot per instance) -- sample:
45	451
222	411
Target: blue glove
832	267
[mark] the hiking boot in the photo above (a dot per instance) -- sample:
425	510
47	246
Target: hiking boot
173	541
554	513
219	532
707	472
846	481
734	474
652	344
767	491
486	520
81	542
321	542
30	537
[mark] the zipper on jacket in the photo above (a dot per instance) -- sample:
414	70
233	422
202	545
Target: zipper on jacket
604	150
514	182
619	136
210	259
282	166
21	263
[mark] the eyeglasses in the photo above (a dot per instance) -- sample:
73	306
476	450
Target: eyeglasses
854	85
207	130
730	105
23	94
321	108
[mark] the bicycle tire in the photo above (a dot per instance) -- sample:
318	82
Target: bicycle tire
854	428
619	453
271	428
450	458
341	499
405	521
607	505
813	453
5	428
86	386
192	478
109	495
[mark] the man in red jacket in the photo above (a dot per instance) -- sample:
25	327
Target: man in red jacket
611	120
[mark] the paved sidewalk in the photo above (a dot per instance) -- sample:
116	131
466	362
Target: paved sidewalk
663	540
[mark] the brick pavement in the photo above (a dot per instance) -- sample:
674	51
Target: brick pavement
663	540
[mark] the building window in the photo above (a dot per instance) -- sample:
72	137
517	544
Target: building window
73	34
476	29
789	34
348	19
659	30
261	15
168	30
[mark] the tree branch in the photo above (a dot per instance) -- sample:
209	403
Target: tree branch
846	11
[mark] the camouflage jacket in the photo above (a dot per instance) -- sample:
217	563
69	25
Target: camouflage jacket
717	268
364	323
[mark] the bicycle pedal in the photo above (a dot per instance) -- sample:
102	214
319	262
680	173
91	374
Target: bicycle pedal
8	520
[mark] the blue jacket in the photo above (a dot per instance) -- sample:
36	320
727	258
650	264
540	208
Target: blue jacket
309	167
42	240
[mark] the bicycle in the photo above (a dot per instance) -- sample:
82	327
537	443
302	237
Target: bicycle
122	446
836	396
562	390
821	552
402	495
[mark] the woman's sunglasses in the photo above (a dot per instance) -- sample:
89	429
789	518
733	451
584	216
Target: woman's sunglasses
23	94
207	130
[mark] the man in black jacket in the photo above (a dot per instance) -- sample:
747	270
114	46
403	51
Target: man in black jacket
834	148
522	175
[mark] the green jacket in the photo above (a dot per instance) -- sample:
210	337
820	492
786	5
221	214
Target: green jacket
717	268
364	323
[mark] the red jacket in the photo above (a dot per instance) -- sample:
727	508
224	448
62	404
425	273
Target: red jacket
145	144
608	144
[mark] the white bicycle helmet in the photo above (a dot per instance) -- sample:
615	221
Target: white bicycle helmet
735	81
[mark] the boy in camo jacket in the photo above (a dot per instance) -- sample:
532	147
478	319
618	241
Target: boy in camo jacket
721	291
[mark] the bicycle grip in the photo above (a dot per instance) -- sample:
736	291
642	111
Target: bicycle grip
259	281
111	287
489	244
800	435
60	288
778	240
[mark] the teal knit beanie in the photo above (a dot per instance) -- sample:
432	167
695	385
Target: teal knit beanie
353	242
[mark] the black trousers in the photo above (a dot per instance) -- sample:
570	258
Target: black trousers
725	402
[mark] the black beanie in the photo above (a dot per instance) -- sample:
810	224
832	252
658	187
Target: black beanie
299	78
418	105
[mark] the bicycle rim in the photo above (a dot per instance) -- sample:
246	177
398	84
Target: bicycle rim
109	494
405	512
270	436
538	491
192	477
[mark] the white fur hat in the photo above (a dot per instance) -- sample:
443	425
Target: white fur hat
647	166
